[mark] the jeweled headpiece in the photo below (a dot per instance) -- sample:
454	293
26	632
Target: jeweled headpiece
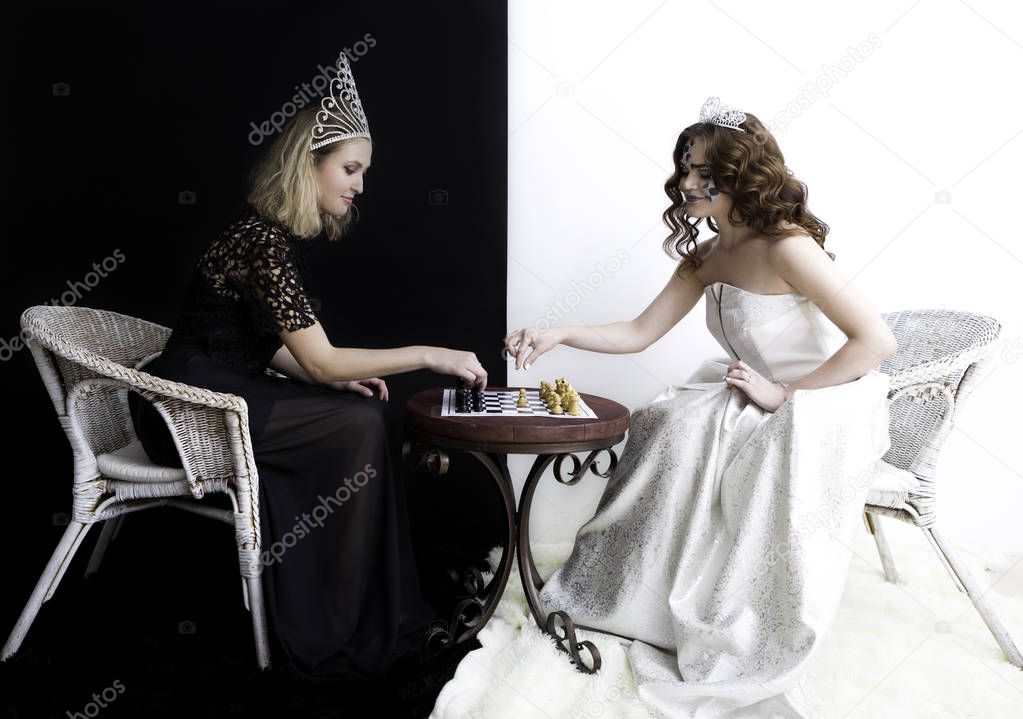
341	116
724	115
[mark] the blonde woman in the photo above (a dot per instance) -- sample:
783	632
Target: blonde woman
342	590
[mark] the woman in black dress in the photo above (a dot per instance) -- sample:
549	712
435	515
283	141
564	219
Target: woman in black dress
342	591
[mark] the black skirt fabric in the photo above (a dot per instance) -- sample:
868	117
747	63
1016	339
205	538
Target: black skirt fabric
340	579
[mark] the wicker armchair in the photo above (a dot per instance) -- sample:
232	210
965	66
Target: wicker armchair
89	359
941	358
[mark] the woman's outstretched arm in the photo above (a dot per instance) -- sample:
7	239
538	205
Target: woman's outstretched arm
323	363
664	312
285	363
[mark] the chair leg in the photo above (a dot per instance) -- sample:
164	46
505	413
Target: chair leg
46	585
259	629
111	527
887	561
952	560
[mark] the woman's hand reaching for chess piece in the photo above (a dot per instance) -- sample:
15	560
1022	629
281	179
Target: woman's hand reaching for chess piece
458	364
362	386
518	344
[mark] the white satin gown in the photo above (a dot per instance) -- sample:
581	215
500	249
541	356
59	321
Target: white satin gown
720	544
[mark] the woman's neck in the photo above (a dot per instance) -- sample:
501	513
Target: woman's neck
731	236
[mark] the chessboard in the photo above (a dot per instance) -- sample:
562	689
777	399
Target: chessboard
504	404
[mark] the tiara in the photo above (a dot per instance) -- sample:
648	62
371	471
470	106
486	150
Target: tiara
724	115
341	116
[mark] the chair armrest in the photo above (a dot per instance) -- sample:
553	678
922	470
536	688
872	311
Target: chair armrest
917	426
948	367
210	429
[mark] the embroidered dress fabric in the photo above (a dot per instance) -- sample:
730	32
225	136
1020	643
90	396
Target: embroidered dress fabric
341	584
719	545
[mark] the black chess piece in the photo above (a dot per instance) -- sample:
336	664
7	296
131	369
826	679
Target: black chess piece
462	397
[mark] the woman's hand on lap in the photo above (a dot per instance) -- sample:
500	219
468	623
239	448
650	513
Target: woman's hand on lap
769	395
362	386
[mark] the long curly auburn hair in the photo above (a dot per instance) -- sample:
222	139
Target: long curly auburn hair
750	167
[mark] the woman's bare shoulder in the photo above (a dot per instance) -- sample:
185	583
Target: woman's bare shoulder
705	253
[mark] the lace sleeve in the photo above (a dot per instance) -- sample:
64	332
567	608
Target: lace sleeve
275	286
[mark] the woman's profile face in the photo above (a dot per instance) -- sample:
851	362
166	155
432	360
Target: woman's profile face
340	175
703	198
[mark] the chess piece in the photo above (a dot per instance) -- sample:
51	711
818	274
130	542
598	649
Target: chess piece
556	406
522	401
573	406
545	390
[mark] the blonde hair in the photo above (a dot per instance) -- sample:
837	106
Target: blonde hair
283	186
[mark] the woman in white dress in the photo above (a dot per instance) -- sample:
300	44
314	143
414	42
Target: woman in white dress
719	543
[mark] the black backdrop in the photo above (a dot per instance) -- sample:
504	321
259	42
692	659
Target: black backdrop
128	138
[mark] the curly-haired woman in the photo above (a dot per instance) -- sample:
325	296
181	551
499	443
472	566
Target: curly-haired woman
718	545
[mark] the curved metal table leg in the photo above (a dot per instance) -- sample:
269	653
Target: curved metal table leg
531	581
473	612
478	603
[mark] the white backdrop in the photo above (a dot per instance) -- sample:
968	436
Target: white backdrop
902	118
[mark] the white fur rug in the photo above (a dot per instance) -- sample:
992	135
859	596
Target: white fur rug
917	649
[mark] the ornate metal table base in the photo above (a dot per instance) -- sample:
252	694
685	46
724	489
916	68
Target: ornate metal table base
480	600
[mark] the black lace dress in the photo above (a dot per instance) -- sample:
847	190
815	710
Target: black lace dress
340	581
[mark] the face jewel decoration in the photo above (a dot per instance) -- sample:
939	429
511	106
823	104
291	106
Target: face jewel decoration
687	153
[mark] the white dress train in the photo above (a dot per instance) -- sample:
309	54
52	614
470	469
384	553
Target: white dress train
720	542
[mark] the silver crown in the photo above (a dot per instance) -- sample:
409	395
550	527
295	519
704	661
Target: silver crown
724	115
341	116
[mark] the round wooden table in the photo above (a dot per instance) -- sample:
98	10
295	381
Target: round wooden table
490	440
